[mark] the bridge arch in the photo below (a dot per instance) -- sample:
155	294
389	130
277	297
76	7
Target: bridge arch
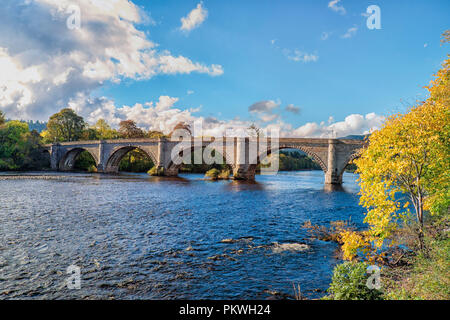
172	169
261	156
68	159
118	153
347	162
314	156
45	158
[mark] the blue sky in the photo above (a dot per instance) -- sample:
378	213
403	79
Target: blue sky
254	43
373	71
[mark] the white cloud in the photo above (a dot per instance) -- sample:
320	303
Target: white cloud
163	115
172	65
15	80
50	65
353	124
268	117
350	32
194	19
266	106
334	5
299	56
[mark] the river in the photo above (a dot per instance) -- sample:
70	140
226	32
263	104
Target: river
140	237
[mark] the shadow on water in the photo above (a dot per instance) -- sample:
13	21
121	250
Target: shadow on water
242	185
334	188
129	176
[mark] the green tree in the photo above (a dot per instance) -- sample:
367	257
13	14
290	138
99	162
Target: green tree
155	134
104	130
65	125
2	118
20	149
12	141
90	134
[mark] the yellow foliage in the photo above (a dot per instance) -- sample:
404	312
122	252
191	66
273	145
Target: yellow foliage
409	155
46	136
352	242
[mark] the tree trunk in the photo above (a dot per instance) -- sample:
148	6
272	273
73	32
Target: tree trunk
420	221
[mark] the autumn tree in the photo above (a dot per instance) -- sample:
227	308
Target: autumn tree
65	125
180	127
409	156
129	130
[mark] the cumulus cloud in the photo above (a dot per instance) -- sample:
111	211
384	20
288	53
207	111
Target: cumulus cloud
163	115
160	115
334	5
350	32
50	65
194	19
352	125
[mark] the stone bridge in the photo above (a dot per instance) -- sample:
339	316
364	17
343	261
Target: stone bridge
241	154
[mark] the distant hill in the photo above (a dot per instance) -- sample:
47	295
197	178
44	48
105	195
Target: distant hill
355	137
37	125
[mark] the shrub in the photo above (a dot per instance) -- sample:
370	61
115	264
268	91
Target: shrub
224	174
349	283
155	171
213	174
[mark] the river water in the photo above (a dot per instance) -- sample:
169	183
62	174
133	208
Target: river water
140	237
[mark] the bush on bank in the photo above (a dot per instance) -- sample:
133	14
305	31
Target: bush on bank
349	282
